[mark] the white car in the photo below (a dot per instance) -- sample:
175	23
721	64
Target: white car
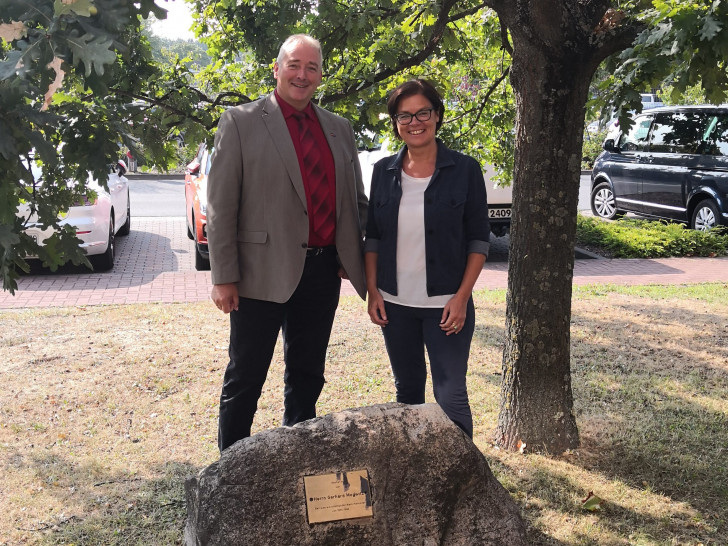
499	198
367	159
97	221
500	203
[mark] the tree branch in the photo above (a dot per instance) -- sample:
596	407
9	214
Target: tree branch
613	33
505	41
438	30
482	103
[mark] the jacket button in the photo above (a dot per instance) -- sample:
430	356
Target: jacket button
429	201
430	231
304	245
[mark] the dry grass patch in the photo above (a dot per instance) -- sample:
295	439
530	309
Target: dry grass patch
105	410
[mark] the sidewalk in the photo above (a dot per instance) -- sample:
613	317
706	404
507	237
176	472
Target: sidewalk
155	263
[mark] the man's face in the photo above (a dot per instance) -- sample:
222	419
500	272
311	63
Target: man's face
299	75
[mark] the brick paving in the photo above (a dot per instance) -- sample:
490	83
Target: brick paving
155	263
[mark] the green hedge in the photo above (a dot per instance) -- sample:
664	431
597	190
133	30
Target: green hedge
629	238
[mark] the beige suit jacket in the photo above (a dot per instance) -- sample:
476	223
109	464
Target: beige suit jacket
257	222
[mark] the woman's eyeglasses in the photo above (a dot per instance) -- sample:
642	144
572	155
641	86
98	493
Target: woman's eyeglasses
405	118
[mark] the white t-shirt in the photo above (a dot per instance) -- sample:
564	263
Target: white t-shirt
411	265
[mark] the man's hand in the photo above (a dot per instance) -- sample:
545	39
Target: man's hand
225	296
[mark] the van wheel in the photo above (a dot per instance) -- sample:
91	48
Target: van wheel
705	216
603	203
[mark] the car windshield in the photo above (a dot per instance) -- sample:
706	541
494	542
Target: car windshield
636	139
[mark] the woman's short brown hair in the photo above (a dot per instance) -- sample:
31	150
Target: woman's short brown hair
409	89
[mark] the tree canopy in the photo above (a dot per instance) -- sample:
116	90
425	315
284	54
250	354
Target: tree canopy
78	84
83	73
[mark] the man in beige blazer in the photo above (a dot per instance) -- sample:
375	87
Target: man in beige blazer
278	249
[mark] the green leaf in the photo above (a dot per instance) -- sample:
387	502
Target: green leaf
84	8
711	28
591	502
8	237
12	65
93	51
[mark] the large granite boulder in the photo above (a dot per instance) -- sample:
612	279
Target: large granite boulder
428	484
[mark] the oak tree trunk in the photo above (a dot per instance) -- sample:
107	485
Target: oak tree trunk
554	57
536	402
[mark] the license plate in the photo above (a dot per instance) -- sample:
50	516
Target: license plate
499	213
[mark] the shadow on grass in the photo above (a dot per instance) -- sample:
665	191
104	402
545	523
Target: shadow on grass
112	508
651	414
653	423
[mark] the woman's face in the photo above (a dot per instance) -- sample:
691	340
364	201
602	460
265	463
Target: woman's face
417	133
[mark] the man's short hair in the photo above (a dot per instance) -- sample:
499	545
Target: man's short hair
295	39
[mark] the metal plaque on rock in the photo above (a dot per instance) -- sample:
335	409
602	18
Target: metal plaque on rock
338	496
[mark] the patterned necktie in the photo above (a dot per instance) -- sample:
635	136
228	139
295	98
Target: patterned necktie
313	162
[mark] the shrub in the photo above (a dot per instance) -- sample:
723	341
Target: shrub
630	238
591	147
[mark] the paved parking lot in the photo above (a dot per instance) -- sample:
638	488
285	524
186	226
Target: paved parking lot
155	263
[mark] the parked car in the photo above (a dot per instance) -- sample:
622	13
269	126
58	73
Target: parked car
499	198
671	164
650	100
98	220
196	204
500	201
367	159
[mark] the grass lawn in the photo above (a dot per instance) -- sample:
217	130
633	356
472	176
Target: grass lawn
105	410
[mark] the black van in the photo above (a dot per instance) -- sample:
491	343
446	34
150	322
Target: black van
672	164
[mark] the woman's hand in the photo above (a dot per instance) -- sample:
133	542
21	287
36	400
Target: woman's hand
375	307
453	315
375	302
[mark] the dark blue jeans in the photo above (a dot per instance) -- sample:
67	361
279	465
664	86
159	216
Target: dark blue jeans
409	332
306	319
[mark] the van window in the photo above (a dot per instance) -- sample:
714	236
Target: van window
636	139
717	136
677	133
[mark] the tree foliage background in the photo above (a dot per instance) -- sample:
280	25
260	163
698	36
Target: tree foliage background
86	73
79	83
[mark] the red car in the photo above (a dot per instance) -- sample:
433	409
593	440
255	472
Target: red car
196	205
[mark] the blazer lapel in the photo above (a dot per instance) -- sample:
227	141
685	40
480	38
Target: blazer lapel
276	125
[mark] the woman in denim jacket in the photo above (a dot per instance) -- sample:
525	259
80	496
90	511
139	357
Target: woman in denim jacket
426	242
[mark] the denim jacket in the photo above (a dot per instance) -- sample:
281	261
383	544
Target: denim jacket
456	219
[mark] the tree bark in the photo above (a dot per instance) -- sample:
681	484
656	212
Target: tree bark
555	54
